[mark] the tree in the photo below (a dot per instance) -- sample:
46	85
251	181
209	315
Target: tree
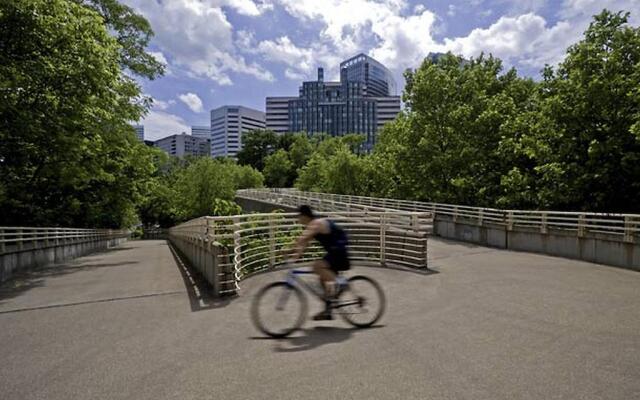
585	149
300	150
132	32
256	146
278	169
67	153
444	147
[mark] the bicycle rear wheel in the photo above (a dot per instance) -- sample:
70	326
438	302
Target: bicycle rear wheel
279	309
366	302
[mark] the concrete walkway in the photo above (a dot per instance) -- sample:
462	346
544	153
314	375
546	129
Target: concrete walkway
129	323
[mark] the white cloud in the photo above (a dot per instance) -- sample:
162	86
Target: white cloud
192	101
525	39
586	9
162	105
159	56
350	27
294	75
159	124
198	36
405	41
452	10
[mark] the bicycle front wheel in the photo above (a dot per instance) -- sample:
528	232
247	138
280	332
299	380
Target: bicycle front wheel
279	309
364	302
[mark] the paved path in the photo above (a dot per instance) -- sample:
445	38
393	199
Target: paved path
492	324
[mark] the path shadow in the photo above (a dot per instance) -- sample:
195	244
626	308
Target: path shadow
199	290
23	281
312	338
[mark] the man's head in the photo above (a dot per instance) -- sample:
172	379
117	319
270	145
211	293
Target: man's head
305	214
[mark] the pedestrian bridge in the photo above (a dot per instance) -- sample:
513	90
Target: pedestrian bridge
158	319
132	322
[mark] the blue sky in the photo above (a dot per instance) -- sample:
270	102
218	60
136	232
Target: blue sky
221	52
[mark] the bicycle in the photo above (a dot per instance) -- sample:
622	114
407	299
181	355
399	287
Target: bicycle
275	314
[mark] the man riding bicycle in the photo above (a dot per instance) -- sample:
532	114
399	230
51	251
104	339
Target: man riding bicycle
334	241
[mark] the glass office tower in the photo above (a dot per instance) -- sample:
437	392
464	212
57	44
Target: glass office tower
362	102
377	79
336	108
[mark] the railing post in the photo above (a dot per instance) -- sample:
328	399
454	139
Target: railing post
628	229
581	223
383	239
272	244
455	213
237	248
480	217
2	239
510	220
415	223
543	223
19	237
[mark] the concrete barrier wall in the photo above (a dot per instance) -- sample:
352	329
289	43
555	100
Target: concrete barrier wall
211	260
257	206
593	247
42	255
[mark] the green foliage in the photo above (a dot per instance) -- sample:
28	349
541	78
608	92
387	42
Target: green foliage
278	169
183	189
225	207
256	146
582	150
67	154
132	32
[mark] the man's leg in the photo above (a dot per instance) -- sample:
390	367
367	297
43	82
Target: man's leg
327	279
327	276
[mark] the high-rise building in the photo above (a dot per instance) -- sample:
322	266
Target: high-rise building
362	102
228	124
378	80
278	114
139	132
201	132
184	145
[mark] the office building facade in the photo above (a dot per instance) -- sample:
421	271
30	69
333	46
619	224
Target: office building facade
362	102
201	132
278	114
228	124
184	145
139	132
378	80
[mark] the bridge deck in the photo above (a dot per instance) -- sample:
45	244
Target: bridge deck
492	324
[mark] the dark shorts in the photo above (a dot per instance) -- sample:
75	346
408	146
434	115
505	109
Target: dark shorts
338	260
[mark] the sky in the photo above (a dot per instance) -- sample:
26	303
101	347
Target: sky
237	52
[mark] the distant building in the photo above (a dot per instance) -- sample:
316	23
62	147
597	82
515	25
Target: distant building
228	124
378	80
201	132
278	114
184	145
361	102
139	132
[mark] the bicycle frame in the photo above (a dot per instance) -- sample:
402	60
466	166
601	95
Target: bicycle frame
293	278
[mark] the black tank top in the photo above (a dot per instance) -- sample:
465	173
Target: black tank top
336	239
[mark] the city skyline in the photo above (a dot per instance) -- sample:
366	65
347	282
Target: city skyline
221	52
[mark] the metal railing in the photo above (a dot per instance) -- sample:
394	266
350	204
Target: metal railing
242	245
624	226
18	239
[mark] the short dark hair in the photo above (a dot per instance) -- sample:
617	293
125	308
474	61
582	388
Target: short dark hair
306	211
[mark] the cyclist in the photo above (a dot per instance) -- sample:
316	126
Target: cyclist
334	241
